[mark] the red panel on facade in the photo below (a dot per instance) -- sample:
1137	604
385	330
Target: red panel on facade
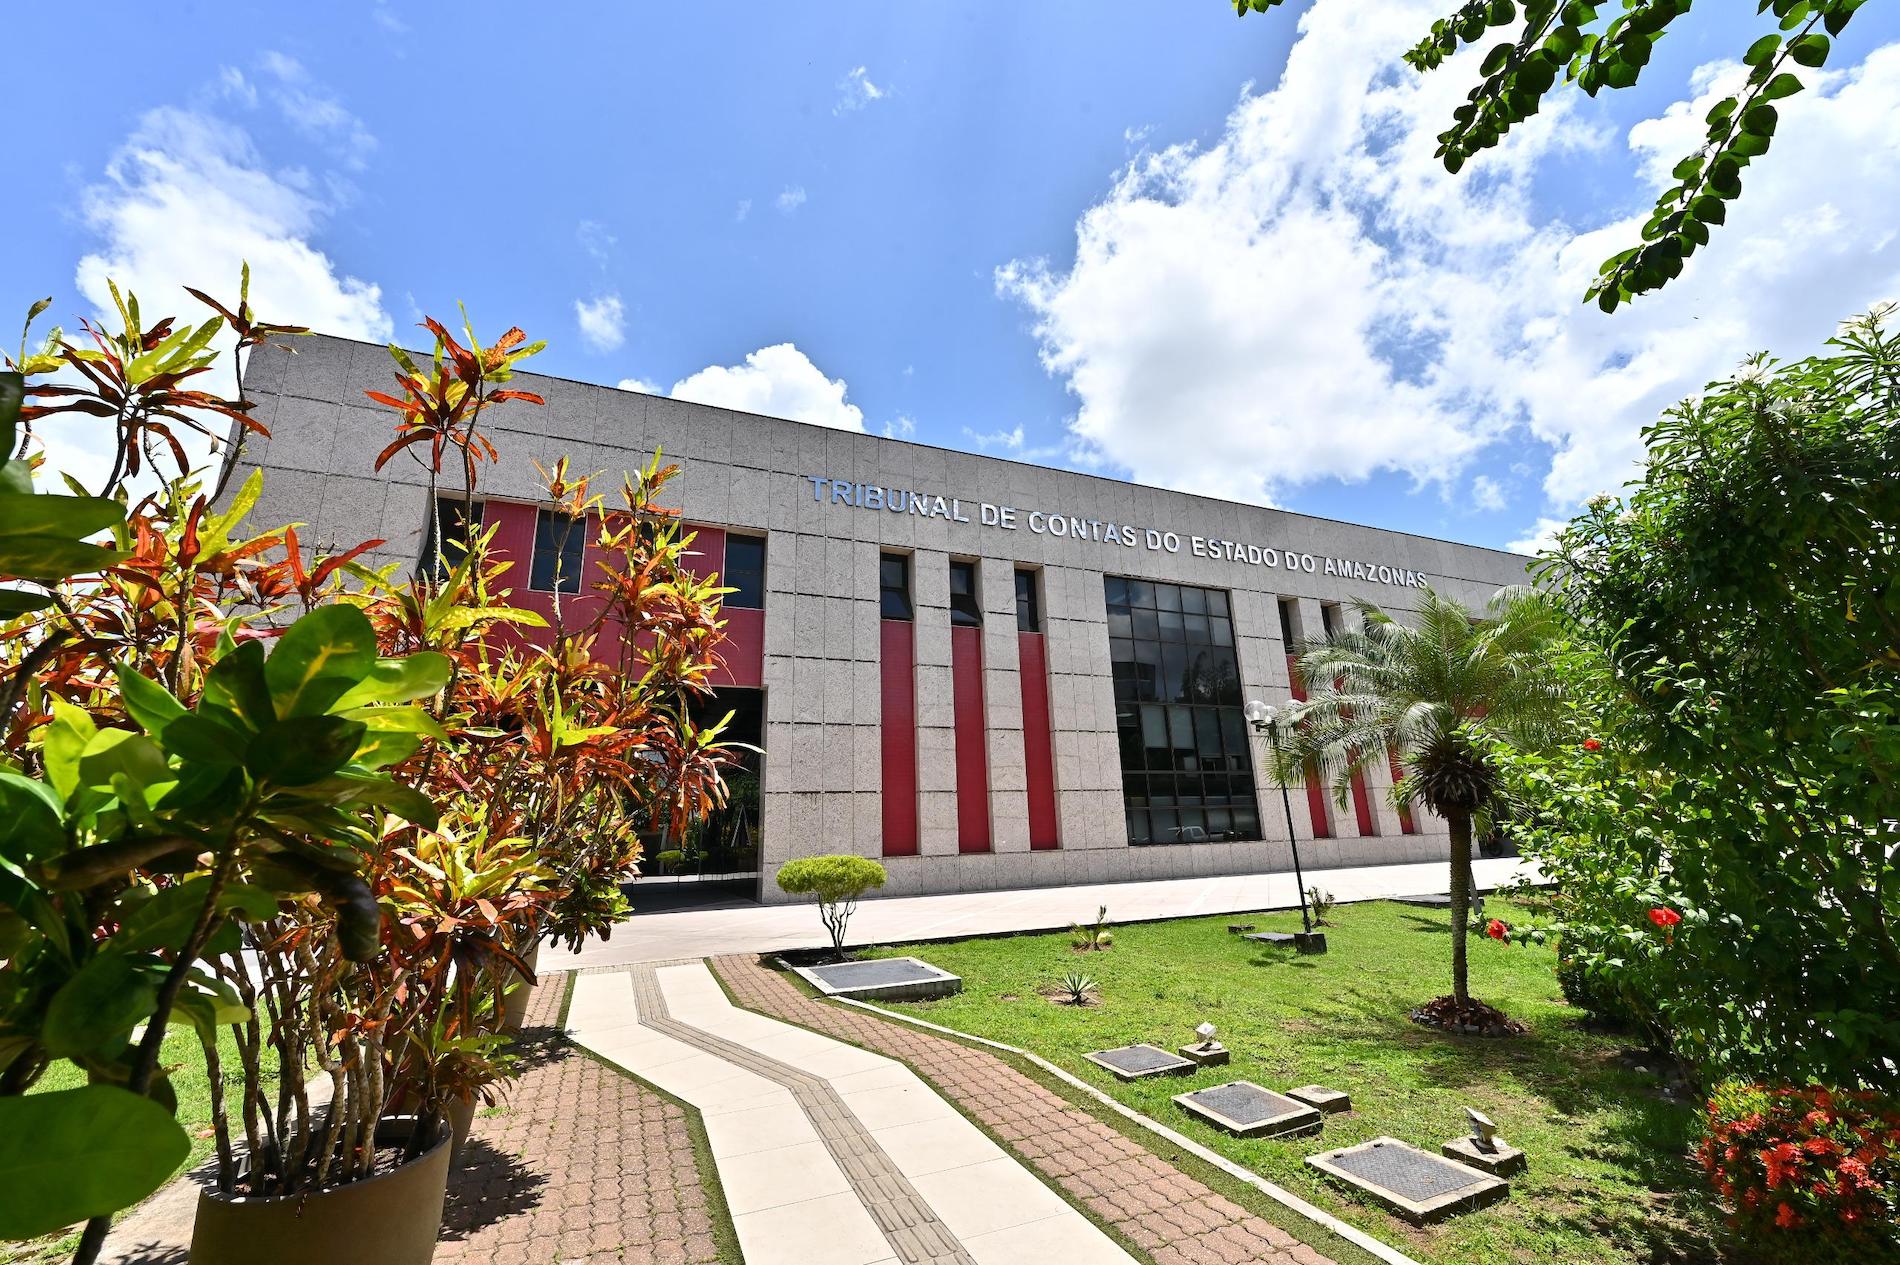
1406	825
1315	793
1038	746
898	690
743	649
973	764
1362	805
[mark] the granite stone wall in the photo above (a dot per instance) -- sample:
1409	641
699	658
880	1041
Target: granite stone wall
822	775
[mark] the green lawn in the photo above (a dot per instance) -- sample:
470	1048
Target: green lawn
1610	1176
183	1054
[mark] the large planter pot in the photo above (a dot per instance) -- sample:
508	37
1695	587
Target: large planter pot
460	1113
514	1007
390	1219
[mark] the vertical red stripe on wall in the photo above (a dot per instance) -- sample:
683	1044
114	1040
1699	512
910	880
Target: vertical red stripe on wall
973	775
1315	792
1362	805
1406	825
1039	773
898	721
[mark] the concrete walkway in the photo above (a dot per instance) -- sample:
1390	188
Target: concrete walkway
828	1154
764	928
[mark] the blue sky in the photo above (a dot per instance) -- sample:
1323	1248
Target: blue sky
1146	240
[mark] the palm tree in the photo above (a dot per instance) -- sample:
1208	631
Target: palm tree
1426	694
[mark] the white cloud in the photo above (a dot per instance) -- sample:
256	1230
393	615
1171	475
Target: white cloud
900	427
790	199
187	200
1487	493
603	321
777	381
855	91
744	209
596	240
1542	535
1312	298
641	385
314	111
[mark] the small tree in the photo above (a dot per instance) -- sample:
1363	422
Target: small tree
1425	695
838	882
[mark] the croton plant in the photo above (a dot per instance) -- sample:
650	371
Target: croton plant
317	812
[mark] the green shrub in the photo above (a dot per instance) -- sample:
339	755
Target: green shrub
837	882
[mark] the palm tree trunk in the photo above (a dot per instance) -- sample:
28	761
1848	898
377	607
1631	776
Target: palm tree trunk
1460	823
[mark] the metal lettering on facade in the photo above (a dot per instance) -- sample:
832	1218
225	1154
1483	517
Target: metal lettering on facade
873	496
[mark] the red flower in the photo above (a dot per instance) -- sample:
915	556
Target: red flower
1591	744
1496	930
1664	917
1787	1218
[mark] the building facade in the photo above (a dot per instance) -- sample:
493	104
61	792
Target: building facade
983	673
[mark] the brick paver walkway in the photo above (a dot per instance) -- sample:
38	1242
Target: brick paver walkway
1173	1217
583	1166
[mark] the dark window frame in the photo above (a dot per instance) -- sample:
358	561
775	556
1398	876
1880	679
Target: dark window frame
549	570
746	582
894	600
966	607
1186	754
1028	600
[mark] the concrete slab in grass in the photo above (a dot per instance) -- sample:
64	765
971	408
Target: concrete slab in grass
1419	1186
1135	1062
882	979
1247	1110
1326	1100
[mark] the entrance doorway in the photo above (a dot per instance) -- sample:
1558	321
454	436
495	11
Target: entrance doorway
715	861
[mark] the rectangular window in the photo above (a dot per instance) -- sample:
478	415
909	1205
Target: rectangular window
456	519
1286	622
893	583
745	572
966	610
1187	766
1330	619
1028	603
560	544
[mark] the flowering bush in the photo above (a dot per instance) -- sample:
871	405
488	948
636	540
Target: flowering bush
1814	1173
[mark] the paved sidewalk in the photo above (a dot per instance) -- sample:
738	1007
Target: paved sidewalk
828	1154
1173	1217
749	928
581	1166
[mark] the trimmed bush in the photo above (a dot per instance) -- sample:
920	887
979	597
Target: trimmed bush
837	882
1811	1176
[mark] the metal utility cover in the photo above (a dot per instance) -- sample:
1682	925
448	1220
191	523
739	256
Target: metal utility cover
1418	1185
1132	1062
882	979
1250	1111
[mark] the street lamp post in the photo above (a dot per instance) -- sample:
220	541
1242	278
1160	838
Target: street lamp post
1262	717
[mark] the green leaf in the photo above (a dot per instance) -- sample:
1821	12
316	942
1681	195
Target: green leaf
376	789
66	738
48	558
118	752
1761	52
29	819
319	658
398	681
15	602
166	918
207	1004
201	739
76	1153
72	516
1810	49
236	683
303	749
93	1013
146	701
1782	85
